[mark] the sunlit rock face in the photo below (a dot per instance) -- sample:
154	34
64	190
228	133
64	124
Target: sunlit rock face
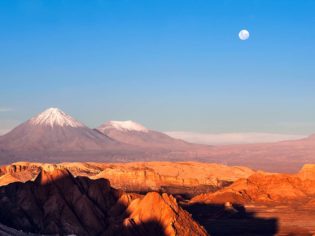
188	178
267	188
262	204
56	202
307	172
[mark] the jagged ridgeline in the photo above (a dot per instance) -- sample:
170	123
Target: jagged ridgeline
56	202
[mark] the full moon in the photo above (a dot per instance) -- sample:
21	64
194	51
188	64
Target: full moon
243	34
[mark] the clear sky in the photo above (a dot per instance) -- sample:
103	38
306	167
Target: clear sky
172	65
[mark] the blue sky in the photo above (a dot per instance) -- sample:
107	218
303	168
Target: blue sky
170	65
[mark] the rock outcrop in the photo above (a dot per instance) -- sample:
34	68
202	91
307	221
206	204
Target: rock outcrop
160	213
178	177
266	188
263	204
56	202
307	172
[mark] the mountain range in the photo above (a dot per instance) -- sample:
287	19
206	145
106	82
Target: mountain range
54	136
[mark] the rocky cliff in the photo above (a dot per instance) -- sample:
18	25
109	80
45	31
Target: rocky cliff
56	202
178	177
266	188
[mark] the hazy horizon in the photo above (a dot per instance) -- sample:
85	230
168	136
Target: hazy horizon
210	138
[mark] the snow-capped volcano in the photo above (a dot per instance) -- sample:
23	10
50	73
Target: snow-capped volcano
132	133
54	130
123	126
55	117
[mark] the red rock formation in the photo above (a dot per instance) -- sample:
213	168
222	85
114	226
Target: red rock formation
58	203
268	188
307	172
164	210
189	178
263	204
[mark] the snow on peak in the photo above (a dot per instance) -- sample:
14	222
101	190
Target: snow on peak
55	117
124	126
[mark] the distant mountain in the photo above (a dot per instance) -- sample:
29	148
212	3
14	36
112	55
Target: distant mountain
132	133
54	130
54	136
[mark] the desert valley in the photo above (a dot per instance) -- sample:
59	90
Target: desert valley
154	198
59	177
157	118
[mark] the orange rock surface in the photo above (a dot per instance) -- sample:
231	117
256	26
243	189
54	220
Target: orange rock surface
163	209
139	176
56	202
262	187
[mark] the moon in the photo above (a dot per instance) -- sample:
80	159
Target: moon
243	34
